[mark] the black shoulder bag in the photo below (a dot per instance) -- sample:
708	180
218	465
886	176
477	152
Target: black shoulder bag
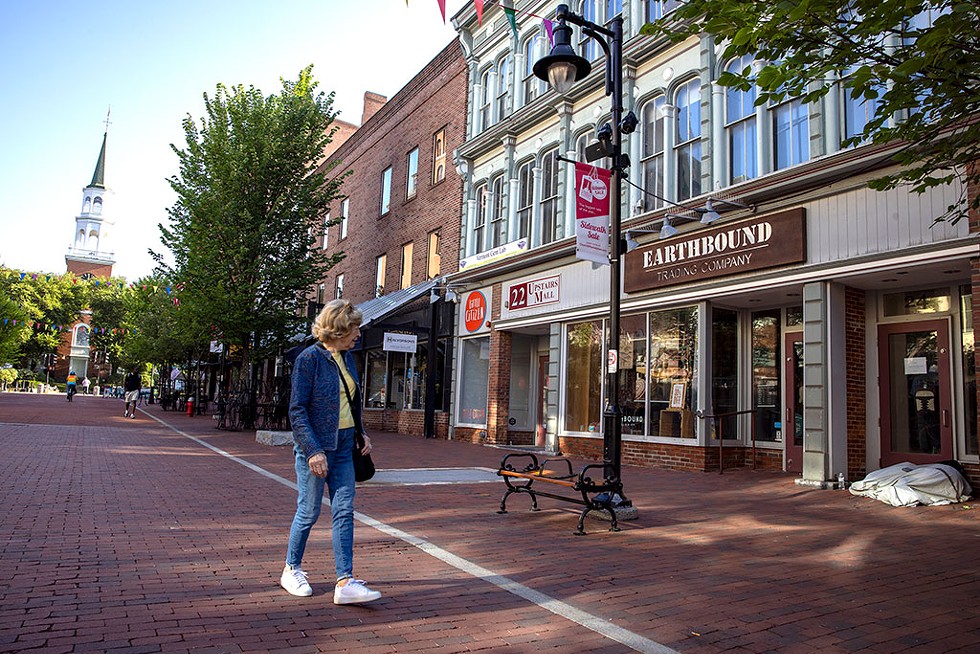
363	465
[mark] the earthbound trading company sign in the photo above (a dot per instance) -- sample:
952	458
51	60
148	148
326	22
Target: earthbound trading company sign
747	245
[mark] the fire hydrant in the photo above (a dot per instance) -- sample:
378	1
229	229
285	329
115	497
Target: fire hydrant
190	406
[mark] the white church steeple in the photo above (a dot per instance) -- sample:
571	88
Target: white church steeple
91	251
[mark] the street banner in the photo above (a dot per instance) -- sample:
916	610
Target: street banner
592	213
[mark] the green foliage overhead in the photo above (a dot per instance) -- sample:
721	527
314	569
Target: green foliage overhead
251	204
917	62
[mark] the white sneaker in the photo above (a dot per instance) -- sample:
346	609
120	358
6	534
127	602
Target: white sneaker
294	581
126	415
354	592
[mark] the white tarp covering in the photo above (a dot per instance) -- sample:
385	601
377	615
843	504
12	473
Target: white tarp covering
907	484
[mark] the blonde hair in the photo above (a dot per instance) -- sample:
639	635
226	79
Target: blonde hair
336	320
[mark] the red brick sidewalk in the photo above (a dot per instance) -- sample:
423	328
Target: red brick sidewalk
126	536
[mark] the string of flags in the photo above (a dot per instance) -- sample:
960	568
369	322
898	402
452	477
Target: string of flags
13	322
509	10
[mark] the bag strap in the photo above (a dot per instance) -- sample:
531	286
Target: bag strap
355	408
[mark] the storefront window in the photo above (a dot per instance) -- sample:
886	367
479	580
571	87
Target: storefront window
969	372
415	378
583	381
374	397
913	303
633	373
673	364
724	369
474	374
396	380
765	375
794	316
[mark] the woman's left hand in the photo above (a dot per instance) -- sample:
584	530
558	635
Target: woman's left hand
367	444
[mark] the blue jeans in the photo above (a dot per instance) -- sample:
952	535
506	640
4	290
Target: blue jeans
340	485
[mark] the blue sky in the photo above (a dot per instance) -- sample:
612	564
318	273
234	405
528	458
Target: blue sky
64	63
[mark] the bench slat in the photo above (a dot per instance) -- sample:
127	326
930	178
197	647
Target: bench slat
533	476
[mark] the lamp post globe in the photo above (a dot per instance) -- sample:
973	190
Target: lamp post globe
563	67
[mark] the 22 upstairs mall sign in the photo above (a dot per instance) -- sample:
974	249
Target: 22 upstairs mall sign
757	243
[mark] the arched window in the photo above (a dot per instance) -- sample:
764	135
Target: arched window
653	153
532	85
740	124
498	225
688	139
790	133
87	205
589	47
525	198
486	99
503	86
81	336
550	227
97	206
480	225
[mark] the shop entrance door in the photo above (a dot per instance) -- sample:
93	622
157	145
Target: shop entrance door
914	383
540	428
793	401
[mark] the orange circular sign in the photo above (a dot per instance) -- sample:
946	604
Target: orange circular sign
475	311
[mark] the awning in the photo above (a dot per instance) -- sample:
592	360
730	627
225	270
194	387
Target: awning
379	308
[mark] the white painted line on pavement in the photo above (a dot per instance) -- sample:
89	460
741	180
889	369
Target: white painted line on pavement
591	622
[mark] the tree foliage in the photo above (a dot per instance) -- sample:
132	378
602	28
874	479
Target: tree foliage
251	204
916	62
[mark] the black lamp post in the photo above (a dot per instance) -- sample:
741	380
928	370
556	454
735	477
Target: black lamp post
562	69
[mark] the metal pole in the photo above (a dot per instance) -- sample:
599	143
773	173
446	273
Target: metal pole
612	434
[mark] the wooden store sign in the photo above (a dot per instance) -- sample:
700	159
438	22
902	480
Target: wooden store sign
775	240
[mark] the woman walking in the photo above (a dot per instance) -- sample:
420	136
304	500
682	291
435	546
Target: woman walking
323	435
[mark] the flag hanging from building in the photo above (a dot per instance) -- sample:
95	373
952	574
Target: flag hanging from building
592	213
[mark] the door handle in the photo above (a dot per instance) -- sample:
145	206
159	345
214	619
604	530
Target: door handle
945	418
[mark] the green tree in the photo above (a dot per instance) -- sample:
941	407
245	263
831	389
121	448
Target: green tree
916	63
251	203
46	305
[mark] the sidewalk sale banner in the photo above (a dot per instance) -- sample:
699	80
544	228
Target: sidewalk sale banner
592	213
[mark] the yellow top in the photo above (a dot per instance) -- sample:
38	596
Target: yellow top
346	415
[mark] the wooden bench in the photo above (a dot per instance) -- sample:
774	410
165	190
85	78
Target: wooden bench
595	496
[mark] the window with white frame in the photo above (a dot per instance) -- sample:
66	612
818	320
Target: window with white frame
413	173
687	149
386	190
532	85
503	86
550	227
857	112
408	250
380	270
498	219
525	198
653	153
613	8
439	156
588	46
319	294
326	230
480	223
740	124
790	134
344	209
338	287
486	98
656	9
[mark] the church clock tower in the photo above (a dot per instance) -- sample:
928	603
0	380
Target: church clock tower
90	254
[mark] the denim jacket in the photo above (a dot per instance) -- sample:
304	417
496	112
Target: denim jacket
314	406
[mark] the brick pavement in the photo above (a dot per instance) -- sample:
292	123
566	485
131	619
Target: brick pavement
125	536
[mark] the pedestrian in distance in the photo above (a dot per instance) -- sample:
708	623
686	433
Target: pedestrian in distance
85	385
131	388
71	384
323	436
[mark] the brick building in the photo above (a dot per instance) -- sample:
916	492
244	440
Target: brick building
399	217
767	279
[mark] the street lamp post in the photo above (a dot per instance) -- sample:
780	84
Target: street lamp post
562	69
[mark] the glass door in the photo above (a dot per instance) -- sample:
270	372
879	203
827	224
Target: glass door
793	402
916	424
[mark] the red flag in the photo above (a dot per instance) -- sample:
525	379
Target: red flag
442	8
479	11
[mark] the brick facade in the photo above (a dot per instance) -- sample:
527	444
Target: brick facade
433	100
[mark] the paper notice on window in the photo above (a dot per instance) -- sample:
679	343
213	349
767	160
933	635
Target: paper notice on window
915	366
